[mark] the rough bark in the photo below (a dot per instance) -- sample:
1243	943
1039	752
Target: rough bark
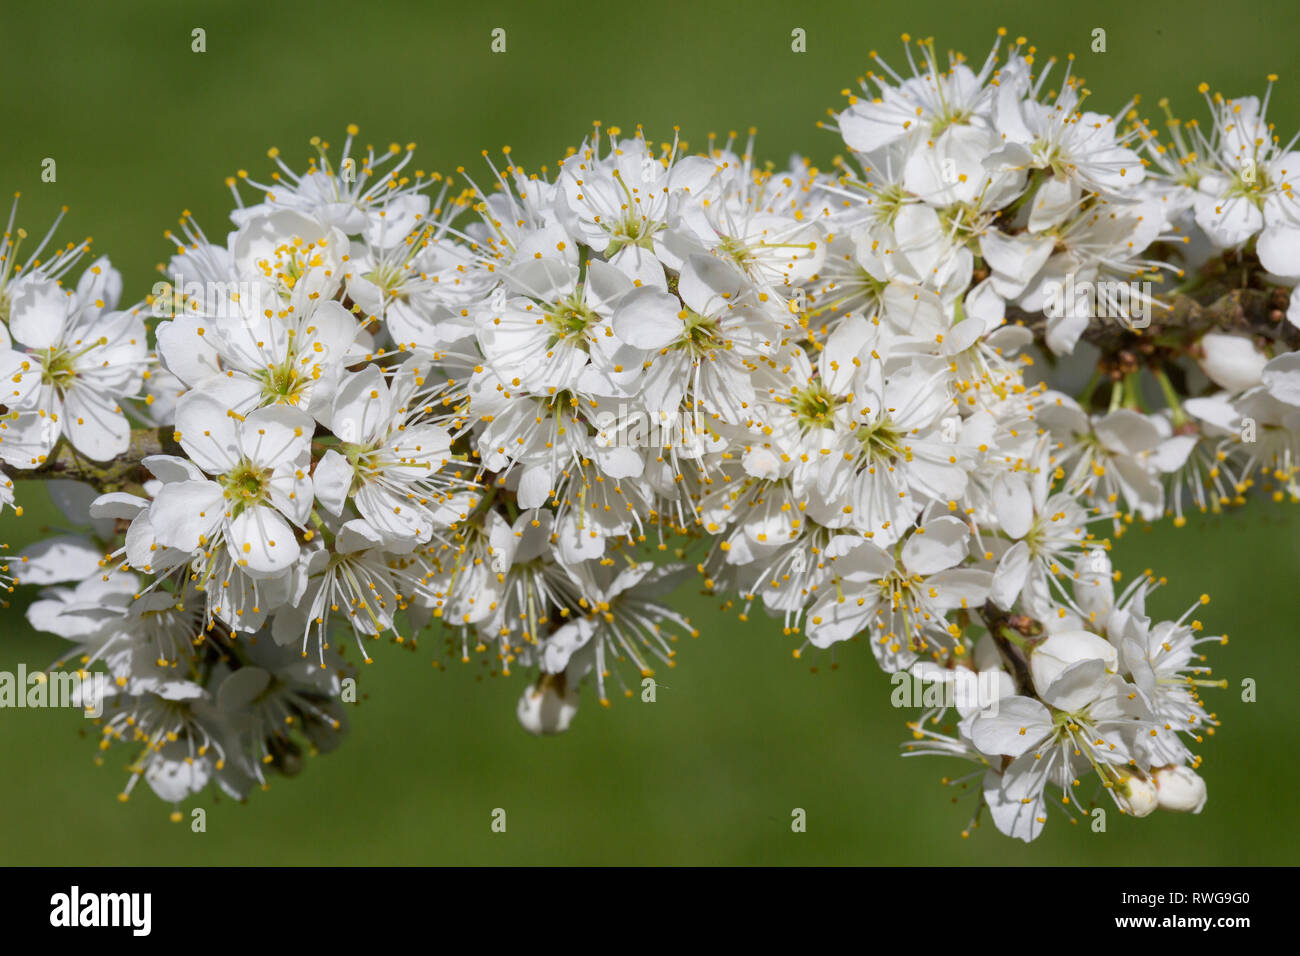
122	474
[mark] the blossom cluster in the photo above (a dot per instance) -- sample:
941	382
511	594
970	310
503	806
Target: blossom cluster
525	412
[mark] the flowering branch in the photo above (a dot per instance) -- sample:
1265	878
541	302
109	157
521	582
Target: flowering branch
1180	319
387	404
122	473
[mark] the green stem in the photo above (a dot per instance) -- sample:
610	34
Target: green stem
1133	392
1116	394
1171	397
1086	398
1007	634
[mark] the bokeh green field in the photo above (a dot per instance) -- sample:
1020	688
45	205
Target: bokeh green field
741	733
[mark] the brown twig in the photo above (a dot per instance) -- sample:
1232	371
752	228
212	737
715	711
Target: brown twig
995	619
126	472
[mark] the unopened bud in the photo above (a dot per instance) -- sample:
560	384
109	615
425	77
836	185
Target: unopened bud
1136	796
1180	789
548	706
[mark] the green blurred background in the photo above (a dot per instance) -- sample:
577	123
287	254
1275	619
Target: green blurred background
141	128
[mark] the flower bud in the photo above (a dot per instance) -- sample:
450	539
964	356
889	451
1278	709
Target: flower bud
548	706
1180	789
1136	796
1232	361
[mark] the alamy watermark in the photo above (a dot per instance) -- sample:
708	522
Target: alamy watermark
634	428
208	299
959	688
1127	302
74	909
85	691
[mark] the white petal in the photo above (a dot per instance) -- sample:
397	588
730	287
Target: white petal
276	436
1279	250
1022	817
172	468
187	353
708	283
38	314
20	374
858	560
940	543
261	541
65	557
357	535
175	777
1052	203
1171	454
1065	649
332	480
648	319
117	504
1282	378
1128	432
960	587
535	485
145	553
1013	504
392	514
1076	686
1009	578
1015	725
186	512
239	689
207	432
832	620
95	424
560	646
361	406
619	462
